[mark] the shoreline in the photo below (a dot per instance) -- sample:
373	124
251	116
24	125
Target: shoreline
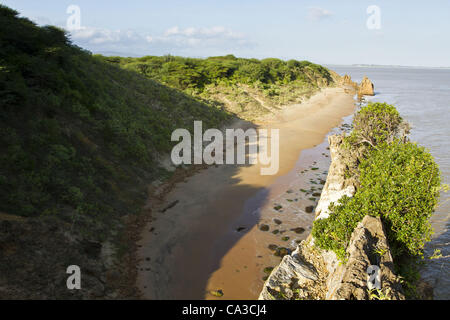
333	262
187	235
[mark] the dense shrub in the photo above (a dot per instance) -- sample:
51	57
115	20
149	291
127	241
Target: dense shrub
375	123
80	134
188	73
399	183
249	88
79	137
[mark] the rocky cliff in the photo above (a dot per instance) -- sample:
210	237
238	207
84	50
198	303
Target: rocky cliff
346	80
311	273
365	88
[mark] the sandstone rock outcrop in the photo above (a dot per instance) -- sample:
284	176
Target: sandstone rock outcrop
312	273
347	81
368	247
336	184
366	88
280	283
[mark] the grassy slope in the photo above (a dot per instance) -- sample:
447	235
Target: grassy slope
80	137
80	140
247	87
81	134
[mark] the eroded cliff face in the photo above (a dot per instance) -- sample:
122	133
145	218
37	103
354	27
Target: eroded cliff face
344	81
312	273
336	185
365	88
368	247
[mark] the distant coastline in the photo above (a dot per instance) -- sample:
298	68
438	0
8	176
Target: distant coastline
383	66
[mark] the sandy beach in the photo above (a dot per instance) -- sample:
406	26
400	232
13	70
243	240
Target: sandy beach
211	239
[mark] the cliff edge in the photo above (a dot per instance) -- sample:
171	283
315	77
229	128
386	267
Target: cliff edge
311	273
365	88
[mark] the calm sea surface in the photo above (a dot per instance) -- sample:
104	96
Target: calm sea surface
422	96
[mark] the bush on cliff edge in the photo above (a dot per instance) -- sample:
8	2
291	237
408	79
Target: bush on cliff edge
396	180
399	183
374	124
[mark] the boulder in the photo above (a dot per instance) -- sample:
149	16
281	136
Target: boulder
347	81
366	88
290	275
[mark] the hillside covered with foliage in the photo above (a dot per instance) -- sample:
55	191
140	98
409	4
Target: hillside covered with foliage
81	134
247	87
80	138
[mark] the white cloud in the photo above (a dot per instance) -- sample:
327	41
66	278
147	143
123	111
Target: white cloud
175	40
202	33
317	13
215	37
95	36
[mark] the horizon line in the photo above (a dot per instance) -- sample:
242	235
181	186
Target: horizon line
365	65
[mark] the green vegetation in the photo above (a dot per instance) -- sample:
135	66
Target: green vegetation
398	181
377	294
247	87
197	74
437	254
374	124
217	293
81	135
268	270
80	138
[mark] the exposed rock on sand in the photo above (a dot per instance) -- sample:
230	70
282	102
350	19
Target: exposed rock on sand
347	81
366	88
291	267
309	209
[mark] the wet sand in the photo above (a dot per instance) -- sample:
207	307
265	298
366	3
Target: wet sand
210	239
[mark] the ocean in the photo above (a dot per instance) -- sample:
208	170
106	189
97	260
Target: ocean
422	96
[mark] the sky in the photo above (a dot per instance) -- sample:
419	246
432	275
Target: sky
382	32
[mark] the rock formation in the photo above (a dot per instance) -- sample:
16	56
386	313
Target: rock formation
347	81
312	273
368	247
366	88
336	184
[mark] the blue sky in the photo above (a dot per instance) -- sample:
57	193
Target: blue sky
414	33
